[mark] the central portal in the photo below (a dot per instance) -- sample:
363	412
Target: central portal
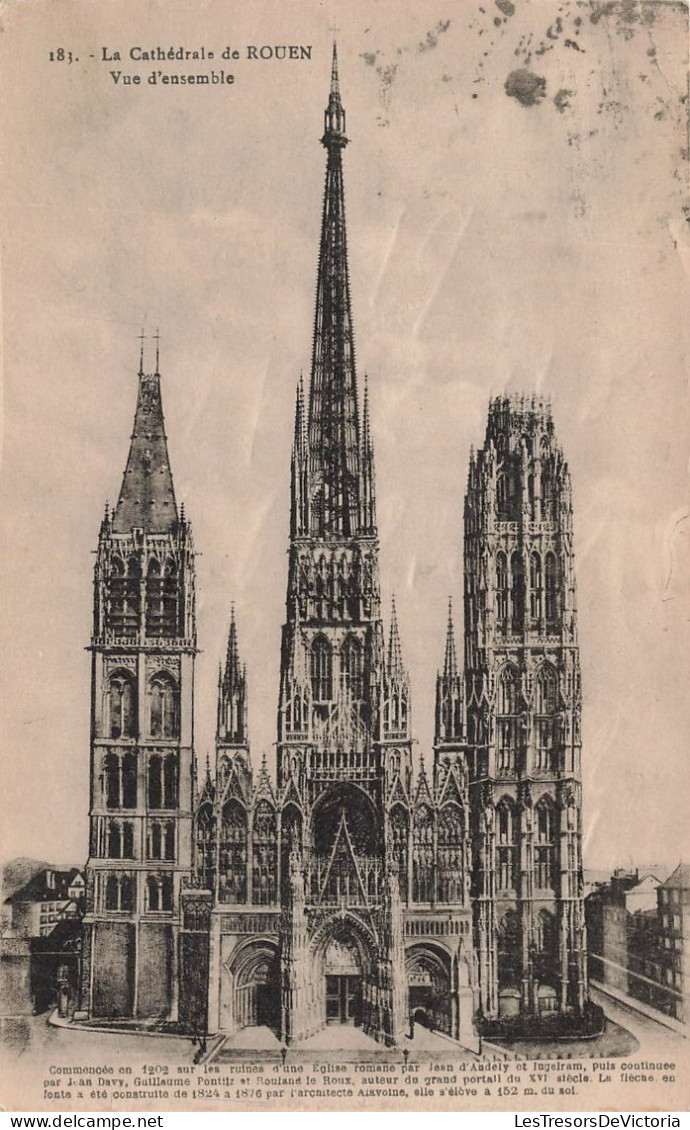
343	999
343	972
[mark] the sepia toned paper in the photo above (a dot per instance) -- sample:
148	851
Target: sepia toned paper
516	183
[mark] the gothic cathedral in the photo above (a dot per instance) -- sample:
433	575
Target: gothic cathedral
349	889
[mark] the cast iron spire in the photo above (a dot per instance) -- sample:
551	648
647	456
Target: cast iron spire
333	421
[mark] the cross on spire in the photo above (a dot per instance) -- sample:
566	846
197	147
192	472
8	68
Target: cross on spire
142	339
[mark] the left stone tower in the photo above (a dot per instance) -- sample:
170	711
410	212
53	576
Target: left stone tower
142	764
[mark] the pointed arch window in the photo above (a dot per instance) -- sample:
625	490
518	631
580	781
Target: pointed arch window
517	593
205	832
132	595
119	893
545	845
264	857
124	596
120	840
509	951
164	706
170	595
291	834
506	846
159	893
545	717
121	705
111	780
233	853
502	591
508	721
450	861
423	854
321	670
548	492
116	595
535	589
129	781
508	491
546	964
154	598
351	668
551	592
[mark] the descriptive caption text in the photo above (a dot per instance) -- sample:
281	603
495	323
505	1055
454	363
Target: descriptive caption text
306	1081
167	66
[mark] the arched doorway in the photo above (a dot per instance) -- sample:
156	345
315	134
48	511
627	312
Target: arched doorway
429	984
251	988
343	972
344	963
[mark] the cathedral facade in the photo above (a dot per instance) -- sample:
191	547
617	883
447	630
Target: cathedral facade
349	888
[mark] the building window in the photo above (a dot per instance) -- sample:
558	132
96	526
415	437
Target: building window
321	670
506	852
351	668
162	781
233	854
548	494
545	845
551	588
507	721
535	589
161	599
450	863
164	707
545	717
119	893
509	951
159	893
120	780
124	596
502	591
517	593
508	493
120	708
546	947
120	839
423	854
264	855
161	840
205	831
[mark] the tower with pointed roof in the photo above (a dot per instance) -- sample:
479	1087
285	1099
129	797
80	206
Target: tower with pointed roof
344	737
142	648
522	674
342	895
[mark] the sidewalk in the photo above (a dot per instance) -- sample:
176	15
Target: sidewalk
124	1026
633	1005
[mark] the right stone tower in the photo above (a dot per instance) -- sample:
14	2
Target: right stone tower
523	704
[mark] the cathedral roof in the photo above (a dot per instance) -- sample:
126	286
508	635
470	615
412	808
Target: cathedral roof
147	495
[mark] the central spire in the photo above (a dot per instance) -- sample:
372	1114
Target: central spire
335	453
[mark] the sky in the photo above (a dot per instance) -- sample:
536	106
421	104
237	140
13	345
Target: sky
516	190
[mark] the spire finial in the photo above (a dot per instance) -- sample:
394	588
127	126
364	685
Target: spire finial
334	122
157	339
142	339
395	665
450	666
335	86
